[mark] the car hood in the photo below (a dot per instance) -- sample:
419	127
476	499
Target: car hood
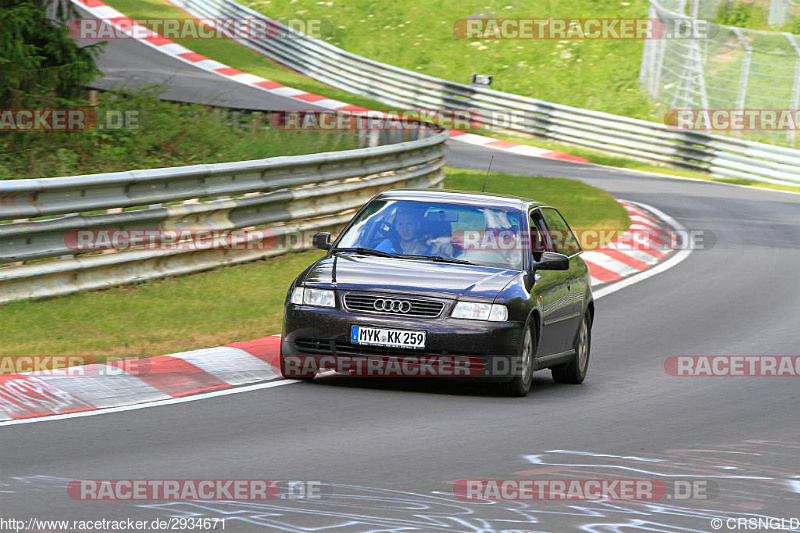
408	276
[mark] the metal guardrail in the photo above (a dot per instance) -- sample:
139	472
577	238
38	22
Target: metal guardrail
283	195
715	154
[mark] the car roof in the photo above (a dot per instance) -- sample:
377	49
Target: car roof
446	195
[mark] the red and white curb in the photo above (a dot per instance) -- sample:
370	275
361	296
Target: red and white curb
106	385
165	377
125	24
513	147
646	242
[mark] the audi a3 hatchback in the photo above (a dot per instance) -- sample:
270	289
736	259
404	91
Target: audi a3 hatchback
448	284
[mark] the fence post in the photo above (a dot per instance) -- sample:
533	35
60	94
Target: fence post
745	76
646	69
796	87
777	12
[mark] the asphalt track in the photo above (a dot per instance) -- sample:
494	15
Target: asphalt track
387	451
128	64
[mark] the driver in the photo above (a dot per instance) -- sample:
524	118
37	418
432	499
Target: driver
407	226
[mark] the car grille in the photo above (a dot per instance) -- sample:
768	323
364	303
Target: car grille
393	305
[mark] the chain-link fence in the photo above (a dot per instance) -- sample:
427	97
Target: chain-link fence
775	12
721	67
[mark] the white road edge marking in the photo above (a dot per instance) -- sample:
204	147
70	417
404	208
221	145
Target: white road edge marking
158	403
658	269
671	262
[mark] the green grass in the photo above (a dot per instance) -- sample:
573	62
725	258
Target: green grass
231	303
418	35
234	54
584	206
168	134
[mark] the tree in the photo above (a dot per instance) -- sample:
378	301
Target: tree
40	65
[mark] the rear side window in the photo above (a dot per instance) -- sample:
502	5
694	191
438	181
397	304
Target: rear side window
561	237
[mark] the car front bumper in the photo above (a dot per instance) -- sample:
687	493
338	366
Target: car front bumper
323	335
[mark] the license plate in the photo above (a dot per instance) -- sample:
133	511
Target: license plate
395	338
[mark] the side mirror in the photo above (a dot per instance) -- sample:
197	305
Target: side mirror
551	261
322	240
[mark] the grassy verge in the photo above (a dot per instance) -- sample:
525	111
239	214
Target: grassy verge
165	134
583	206
418	35
236	55
232	303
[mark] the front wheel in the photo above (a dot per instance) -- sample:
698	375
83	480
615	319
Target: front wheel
520	385
575	371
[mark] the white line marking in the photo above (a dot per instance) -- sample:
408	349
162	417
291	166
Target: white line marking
136	407
174	49
329	103
471	138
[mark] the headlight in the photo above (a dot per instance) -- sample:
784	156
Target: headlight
317	297
476	311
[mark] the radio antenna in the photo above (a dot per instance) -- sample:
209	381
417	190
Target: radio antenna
483	188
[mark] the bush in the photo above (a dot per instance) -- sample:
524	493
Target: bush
40	65
167	134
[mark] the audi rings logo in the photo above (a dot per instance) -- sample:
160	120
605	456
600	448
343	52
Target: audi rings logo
393	306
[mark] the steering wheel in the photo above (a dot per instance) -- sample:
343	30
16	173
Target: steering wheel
386	232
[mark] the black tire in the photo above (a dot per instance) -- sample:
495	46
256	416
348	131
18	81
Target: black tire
302	377
574	372
520	384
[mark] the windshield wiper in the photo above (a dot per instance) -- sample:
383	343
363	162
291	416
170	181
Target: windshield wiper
436	258
379	253
365	251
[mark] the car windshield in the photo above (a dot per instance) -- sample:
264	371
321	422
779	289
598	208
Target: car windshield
458	233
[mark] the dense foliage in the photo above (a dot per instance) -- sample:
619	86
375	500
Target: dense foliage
40	65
